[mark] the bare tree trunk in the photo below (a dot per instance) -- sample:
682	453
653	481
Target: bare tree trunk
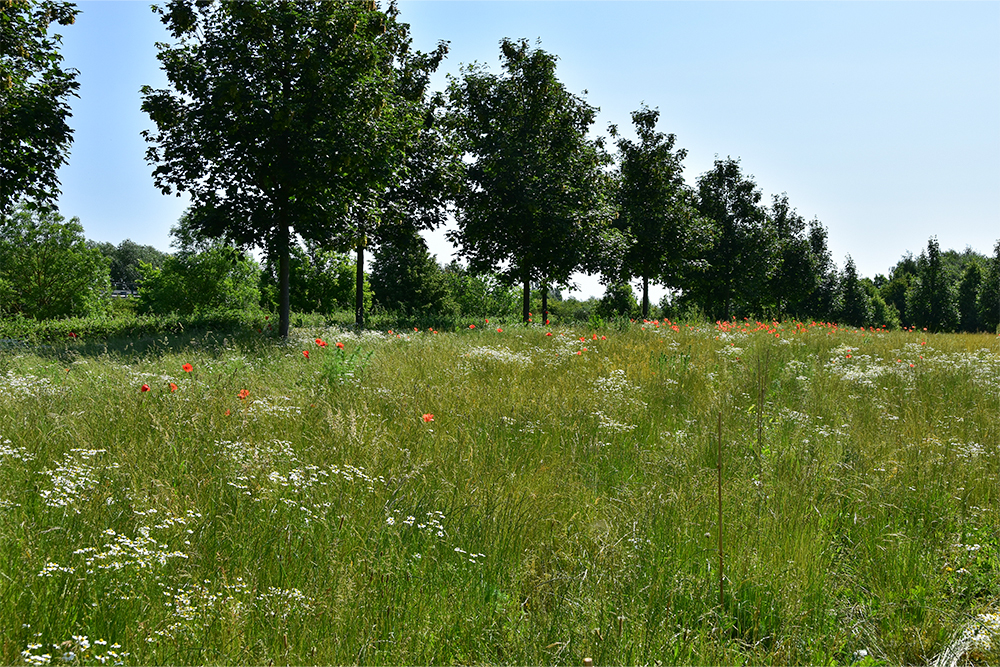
284	274
526	300
359	293
545	303
645	297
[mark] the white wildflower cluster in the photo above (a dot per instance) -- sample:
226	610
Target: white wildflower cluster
609	424
527	427
248	455
8	452
51	568
271	407
120	552
500	354
983	633
25	386
431	525
473	558
76	651
195	605
615	385
281	603
73	478
731	350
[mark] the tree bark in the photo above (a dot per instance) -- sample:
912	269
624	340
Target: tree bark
284	274
526	300
645	297
359	291
545	303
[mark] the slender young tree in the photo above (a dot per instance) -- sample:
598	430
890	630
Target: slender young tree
34	93
285	119
534	201
656	216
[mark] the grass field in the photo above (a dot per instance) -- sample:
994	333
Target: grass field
502	497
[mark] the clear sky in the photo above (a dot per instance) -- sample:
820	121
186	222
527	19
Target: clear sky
881	119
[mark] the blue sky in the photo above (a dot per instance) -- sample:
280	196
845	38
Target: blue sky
881	119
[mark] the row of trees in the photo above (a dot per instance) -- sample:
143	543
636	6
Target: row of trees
48	269
307	129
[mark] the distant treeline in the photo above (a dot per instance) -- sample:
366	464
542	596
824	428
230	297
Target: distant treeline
48	270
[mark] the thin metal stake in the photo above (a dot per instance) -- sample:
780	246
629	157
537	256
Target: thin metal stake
721	598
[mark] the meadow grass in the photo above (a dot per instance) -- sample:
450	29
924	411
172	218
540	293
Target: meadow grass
514	497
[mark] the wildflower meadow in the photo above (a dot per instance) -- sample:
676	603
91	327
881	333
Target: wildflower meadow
649	492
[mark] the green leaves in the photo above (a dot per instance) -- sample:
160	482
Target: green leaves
34	88
286	118
46	268
534	185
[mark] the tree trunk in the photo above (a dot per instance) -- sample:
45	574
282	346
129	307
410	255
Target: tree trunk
645	297
526	300
545	303
284	273
359	293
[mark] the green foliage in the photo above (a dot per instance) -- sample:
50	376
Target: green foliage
220	278
967	298
656	215
989	293
930	299
321	281
34	93
46	268
126	259
481	295
618	301
406	278
286	119
735	276
534	205
855	300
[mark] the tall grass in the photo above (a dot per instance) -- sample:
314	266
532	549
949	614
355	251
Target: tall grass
507	496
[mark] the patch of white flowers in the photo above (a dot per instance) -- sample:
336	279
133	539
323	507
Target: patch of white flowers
73	478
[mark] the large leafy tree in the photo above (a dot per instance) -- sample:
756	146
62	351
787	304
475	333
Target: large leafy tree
989	293
656	216
126	259
535	194
46	267
34	89
798	270
930	299
285	119
735	279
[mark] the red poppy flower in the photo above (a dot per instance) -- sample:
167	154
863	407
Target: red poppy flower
546	323
472	326
227	413
187	368
320	342
428	417
549	333
340	346
487	320
144	387
72	335
243	393
173	387
604	337
499	330
305	353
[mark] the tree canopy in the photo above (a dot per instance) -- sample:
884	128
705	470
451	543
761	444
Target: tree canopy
34	93
285	118
535	193
663	232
